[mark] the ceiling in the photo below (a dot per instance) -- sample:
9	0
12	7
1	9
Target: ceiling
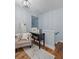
42	6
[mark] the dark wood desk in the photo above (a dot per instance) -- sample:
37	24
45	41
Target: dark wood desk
40	37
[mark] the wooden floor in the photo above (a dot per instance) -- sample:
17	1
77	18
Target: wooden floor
57	54
20	54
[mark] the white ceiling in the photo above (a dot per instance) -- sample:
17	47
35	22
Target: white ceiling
42	6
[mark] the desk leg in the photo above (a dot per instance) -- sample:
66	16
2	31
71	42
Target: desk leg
43	40
43	43
34	40
39	44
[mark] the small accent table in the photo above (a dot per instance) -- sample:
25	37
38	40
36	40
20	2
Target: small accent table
40	37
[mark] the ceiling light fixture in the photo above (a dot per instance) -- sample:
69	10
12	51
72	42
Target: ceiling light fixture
27	4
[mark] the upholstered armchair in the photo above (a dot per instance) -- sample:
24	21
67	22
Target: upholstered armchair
23	40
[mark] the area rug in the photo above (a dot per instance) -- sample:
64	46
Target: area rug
35	53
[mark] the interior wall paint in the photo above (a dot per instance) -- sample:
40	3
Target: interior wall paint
52	20
22	17
49	38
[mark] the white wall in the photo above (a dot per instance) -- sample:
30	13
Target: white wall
52	22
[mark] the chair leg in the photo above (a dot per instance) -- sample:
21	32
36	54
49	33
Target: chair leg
39	44
30	46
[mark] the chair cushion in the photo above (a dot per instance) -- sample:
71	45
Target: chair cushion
17	37
26	36
24	41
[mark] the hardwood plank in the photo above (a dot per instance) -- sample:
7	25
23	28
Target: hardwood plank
20	54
